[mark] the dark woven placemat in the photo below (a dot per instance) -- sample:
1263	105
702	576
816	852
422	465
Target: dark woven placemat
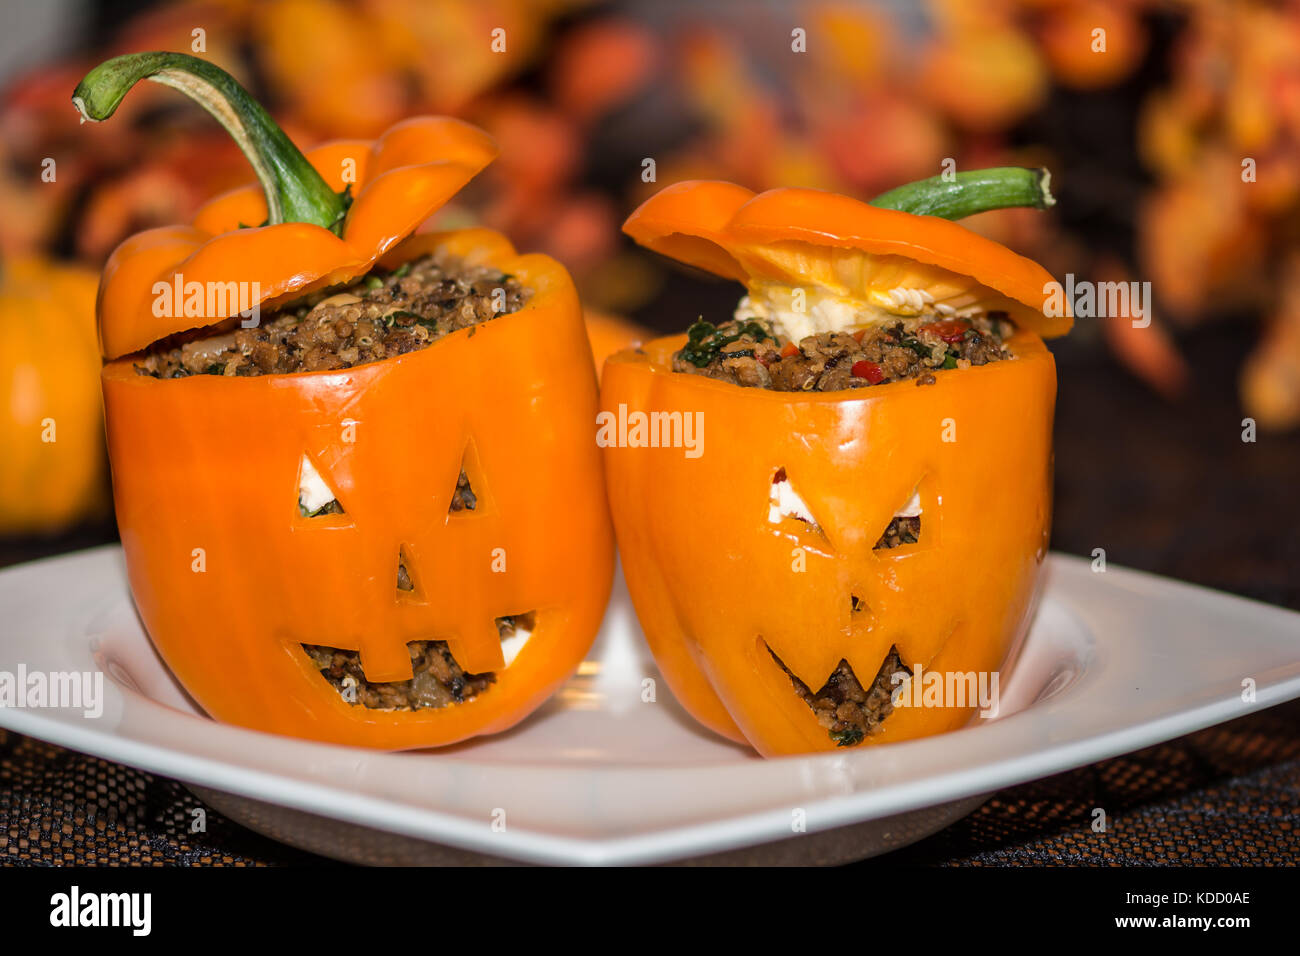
58	806
1226	795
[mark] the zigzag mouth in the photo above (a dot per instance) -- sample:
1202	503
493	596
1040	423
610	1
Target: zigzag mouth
438	680
849	712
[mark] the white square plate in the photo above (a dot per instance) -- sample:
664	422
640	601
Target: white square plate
1114	661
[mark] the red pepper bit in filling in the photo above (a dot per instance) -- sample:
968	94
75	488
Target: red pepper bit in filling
950	330
868	370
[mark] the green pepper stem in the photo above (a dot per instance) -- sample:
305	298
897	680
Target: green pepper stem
965	194
295	192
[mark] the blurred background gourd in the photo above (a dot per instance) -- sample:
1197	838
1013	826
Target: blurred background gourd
51	423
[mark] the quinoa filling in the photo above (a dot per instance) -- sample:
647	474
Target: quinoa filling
750	354
437	681
385	314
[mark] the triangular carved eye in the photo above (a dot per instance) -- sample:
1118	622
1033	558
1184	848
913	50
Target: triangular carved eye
904	527
787	510
316	499
785	503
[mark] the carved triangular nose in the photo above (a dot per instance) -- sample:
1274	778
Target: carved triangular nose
408	579
463	498
861	618
469	497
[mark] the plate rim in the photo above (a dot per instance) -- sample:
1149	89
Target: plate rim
673	841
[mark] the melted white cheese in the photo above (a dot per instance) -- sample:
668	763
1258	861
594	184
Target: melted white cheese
313	493
512	645
774	303
785	502
912	509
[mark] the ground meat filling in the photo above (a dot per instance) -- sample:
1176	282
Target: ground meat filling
749	354
463	499
848	712
901	530
384	315
438	680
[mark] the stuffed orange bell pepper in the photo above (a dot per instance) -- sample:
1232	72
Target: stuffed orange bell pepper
353	468
846	486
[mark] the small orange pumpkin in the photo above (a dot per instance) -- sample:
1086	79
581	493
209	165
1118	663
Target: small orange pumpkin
51	426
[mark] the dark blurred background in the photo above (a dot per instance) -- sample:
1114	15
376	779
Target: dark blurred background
1145	136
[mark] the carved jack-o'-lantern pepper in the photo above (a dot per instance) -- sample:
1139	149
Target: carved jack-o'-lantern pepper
847	486
374	516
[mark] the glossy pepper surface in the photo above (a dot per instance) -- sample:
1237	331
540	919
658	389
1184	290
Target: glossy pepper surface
231	578
722	590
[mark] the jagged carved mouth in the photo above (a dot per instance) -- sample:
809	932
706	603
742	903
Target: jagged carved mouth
850	712
437	681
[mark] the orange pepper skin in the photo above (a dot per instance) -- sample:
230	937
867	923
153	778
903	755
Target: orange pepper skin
810	237
398	181
611	333
230	579
718	586
713	581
